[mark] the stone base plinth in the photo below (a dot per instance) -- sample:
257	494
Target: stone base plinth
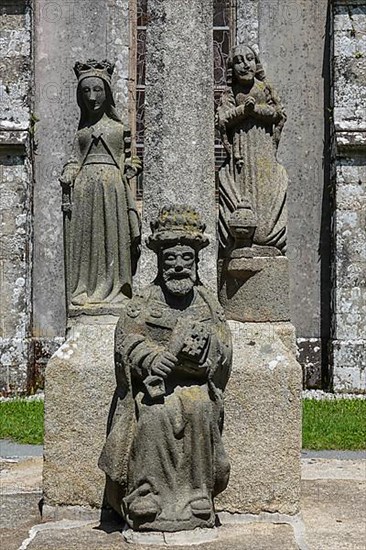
79	385
349	366
262	430
255	289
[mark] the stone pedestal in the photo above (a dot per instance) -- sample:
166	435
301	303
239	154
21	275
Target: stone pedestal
262	431
255	289
79	387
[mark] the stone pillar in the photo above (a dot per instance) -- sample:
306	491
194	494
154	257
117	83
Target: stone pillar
349	260
65	32
262	431
179	120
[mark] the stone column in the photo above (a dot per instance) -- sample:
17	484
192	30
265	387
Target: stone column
179	119
349	261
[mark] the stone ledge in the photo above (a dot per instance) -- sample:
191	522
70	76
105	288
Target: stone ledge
348	139
349	366
79	386
11	138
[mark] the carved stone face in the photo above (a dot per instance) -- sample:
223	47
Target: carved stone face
244	65
93	93
179	269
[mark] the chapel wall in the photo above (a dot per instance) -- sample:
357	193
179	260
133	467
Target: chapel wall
15	192
39	116
349	216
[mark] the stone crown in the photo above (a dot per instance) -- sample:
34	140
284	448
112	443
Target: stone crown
177	225
101	69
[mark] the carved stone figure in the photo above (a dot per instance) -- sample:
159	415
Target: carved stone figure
253	184
164	457
101	223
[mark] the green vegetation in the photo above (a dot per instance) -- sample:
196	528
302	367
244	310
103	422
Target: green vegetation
338	424
334	424
22	421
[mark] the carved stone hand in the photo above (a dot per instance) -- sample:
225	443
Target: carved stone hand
69	174
163	364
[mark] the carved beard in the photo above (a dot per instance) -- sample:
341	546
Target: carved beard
179	284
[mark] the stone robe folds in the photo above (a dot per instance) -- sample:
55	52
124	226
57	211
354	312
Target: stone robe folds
168	451
103	232
251	171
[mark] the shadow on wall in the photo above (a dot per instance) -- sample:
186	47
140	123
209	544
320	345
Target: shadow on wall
325	241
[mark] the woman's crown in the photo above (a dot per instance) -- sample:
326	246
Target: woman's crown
102	69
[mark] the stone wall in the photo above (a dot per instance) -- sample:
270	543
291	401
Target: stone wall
292	38
349	258
15	193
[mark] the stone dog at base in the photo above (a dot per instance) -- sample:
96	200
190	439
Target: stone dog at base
164	457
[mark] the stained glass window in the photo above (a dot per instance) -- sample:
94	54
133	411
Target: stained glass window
222	36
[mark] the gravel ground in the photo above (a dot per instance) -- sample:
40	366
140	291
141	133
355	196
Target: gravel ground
320	395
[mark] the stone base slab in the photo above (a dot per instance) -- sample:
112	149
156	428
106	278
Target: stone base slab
255	289
14	357
179	538
262	430
79	385
72	513
349	366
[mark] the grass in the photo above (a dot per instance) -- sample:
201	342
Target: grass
334	424
22	421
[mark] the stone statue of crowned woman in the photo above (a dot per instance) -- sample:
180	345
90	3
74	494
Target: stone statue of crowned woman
101	222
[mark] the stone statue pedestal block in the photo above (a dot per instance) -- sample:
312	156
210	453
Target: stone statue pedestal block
255	289
79	385
262	430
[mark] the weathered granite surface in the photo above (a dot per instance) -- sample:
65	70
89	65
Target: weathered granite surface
179	119
15	195
349	261
79	383
255	289
164	457
262	423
